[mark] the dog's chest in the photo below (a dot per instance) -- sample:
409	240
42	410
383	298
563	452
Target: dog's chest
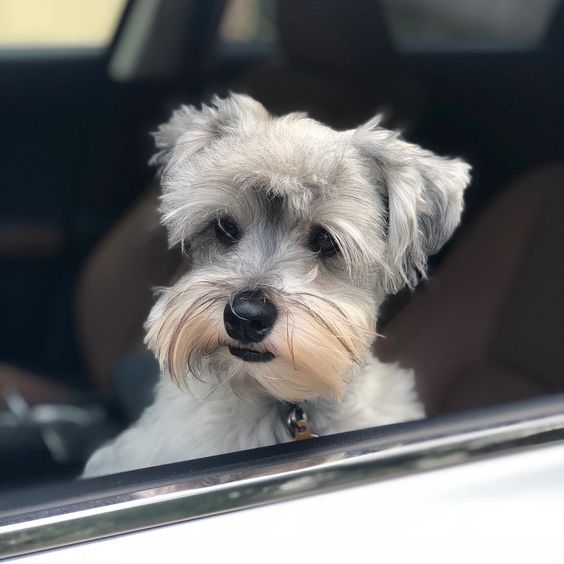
188	427
215	425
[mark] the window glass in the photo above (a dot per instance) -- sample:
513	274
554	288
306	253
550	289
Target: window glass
58	23
248	21
459	23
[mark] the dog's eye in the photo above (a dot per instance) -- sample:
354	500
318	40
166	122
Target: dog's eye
226	229
321	242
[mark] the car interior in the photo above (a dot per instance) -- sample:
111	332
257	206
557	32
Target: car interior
81	248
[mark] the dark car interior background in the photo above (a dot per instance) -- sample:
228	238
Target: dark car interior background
80	244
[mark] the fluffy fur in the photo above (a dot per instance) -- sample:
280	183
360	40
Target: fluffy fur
387	204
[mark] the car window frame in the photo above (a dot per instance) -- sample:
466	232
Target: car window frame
51	517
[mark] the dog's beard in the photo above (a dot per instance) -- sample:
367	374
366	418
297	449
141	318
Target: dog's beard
316	342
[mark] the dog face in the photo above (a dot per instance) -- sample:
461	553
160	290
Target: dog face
295	233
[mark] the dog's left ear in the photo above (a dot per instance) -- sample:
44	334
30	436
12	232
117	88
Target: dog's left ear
424	194
190	129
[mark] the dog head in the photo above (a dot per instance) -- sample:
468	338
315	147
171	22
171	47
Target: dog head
295	233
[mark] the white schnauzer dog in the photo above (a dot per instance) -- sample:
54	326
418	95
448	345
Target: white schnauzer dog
293	234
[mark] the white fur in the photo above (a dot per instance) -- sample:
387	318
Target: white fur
180	426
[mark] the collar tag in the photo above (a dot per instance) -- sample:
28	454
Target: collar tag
298	425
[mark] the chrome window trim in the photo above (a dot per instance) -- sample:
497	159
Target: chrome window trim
229	491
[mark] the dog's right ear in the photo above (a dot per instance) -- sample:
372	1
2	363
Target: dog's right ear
190	130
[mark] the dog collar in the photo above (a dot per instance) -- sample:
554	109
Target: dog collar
297	423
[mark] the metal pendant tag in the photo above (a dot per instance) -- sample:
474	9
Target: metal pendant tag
298	425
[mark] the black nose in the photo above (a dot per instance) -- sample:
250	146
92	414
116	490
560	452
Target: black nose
249	317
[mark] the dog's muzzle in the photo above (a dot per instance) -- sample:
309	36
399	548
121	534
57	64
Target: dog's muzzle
249	317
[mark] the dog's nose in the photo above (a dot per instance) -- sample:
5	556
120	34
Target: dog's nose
250	317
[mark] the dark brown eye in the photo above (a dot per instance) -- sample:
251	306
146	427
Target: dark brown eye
226	230
322	243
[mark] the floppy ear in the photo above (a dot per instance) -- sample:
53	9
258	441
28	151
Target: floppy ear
189	130
424	194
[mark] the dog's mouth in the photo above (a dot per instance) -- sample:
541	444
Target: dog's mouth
250	355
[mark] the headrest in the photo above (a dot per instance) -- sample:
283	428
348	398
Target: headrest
344	35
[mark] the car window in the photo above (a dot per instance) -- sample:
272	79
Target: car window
448	24
465	364
58	23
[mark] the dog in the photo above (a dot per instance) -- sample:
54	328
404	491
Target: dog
293	234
